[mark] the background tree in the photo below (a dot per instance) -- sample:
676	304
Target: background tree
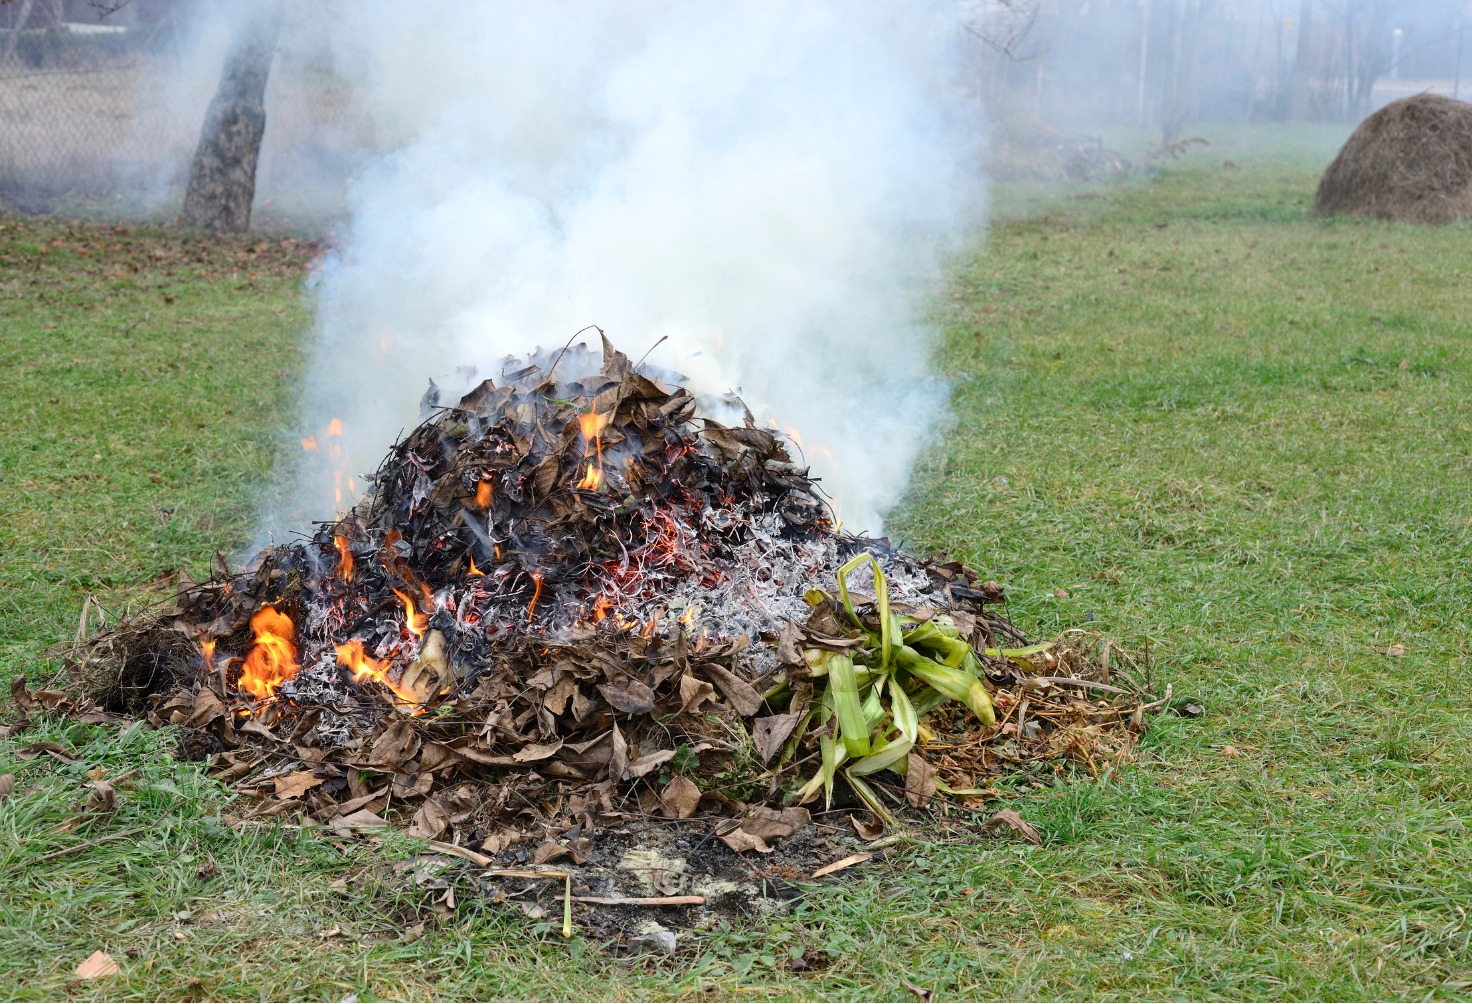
222	179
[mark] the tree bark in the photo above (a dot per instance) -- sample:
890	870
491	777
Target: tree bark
222	180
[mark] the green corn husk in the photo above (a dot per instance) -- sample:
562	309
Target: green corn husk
873	707
843	688
903	712
952	682
887	758
921	633
869	797
842	577
928	638
881	602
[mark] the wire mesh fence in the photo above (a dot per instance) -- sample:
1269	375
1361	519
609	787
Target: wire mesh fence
100	119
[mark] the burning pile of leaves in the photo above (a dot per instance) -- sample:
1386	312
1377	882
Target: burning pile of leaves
572	599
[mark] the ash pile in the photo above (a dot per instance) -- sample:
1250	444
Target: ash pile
574	600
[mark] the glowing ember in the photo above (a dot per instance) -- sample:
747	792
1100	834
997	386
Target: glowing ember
344	558
351	655
273	659
416	622
536	595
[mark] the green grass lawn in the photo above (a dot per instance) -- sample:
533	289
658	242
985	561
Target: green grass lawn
1223	430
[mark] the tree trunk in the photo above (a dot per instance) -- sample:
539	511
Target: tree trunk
1175	103
222	180
1303	63
16	27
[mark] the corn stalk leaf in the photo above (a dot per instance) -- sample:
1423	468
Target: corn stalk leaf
903	712
1019	653
882	760
954	683
843	689
842	575
870	797
832	757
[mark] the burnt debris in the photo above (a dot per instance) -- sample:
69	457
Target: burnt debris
574	596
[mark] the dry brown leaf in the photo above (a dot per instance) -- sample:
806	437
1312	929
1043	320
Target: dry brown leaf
102	799
868	827
618	760
1390	649
7	785
36	749
694	692
549	850
773	823
771	732
760	825
360	820
295	784
207	707
742	696
432	819
789	645
680	797
97	965
740	841
648	762
396	745
919	781
629	696
1006	822
21	695
536	751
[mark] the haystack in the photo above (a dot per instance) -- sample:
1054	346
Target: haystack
1410	161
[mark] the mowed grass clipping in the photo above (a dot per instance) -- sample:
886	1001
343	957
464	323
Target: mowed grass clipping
1186	414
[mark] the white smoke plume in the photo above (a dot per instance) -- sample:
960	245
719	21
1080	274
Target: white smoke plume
772	187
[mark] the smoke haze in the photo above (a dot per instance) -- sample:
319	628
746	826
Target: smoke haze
771	187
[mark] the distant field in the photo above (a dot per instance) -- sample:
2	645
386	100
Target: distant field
1186	414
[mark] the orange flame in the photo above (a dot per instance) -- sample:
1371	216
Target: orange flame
273	659
474	572
592	480
483	494
344	557
309	443
688	617
334	427
416	622
351	655
207	650
592	425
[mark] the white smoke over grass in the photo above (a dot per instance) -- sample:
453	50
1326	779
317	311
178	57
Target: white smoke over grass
773	188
